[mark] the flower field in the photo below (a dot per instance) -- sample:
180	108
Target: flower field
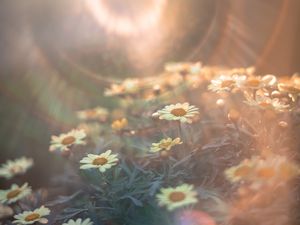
192	145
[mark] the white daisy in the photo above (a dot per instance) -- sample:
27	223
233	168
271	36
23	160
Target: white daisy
79	222
177	197
30	217
15	167
15	193
182	112
103	161
64	141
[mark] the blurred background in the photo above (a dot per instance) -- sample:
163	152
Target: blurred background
58	55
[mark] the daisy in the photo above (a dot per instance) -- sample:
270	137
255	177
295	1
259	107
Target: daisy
15	167
275	169
103	161
79	222
265	102
5	211
64	141
258	171
269	80
222	83
15	193
240	172
182	112
30	217
292	90
165	144
97	113
119	124
177	197
252	82
289	88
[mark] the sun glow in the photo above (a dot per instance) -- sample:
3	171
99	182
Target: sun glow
126	25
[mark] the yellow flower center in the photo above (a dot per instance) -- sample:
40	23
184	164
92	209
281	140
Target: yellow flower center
119	124
68	140
178	112
227	83
165	144
253	82
176	196
13	194
266	172
243	171
100	161
265	104
32	217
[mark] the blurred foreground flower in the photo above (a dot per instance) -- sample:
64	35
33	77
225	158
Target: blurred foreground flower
64	141
195	217
103	161
177	197
182	112
15	167
15	193
30	217
79	222
5	211
239	172
274	170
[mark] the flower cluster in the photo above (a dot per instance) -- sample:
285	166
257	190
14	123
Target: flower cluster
17	193
264	92
167	147
273	170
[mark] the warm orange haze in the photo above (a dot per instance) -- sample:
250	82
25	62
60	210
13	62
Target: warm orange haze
152	112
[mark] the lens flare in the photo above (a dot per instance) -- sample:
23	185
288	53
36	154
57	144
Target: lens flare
126	25
195	217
